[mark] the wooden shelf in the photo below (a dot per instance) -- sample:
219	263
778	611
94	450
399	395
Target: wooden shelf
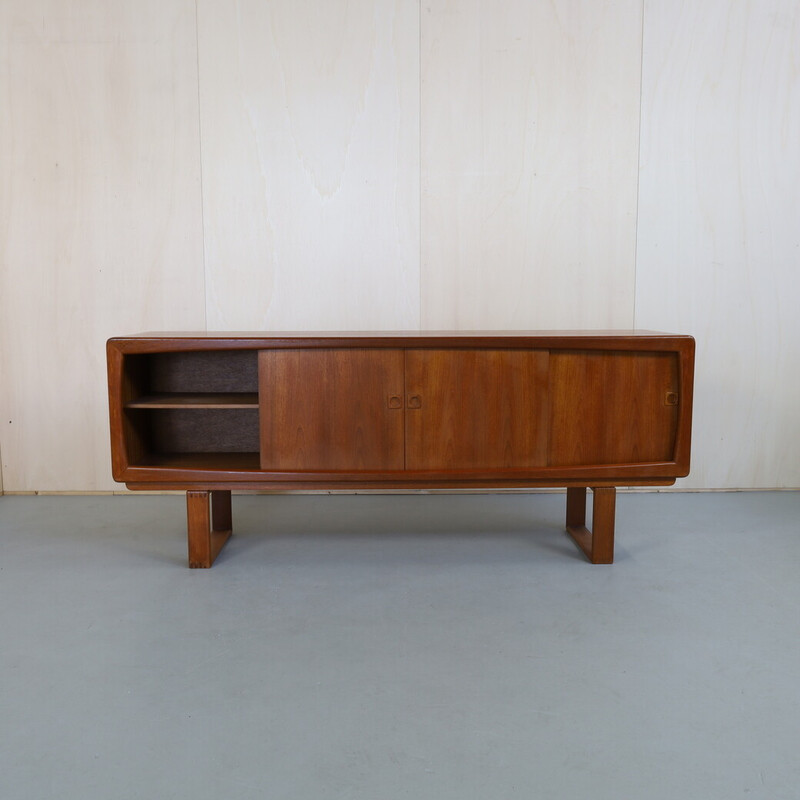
202	461
196	400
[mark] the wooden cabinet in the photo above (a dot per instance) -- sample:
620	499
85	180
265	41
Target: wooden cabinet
212	413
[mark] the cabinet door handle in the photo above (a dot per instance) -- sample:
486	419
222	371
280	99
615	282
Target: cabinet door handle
395	401
414	401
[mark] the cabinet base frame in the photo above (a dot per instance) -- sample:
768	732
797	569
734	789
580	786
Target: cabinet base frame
597	544
209	525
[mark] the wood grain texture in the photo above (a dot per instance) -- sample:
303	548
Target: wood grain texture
576	506
239	481
127	378
331	409
204	343
151	445
209	525
198	401
310	130
719	234
529	131
608	408
598	543
476	409
100	216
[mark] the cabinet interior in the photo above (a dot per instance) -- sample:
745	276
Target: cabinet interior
192	403
479	408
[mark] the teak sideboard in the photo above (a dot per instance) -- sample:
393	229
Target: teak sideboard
212	413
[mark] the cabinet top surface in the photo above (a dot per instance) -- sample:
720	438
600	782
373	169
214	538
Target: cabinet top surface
402	335
168	341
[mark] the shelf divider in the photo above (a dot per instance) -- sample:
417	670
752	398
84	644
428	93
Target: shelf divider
196	400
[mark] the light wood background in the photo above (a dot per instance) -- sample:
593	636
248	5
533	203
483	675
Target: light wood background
389	164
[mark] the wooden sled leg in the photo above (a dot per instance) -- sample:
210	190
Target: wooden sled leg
209	518
598	543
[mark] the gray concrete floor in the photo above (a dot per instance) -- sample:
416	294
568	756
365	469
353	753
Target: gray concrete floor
386	647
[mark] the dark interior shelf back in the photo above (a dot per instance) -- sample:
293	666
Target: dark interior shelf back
206	372
201	430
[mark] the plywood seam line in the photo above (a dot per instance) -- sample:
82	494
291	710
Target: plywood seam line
638	165
200	164
419	167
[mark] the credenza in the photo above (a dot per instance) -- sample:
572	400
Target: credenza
212	413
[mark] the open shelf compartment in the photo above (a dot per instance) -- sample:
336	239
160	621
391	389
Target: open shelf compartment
196	400
201	404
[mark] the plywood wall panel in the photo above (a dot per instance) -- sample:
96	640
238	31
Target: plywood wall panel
719	230
390	164
310	147
529	134
100	217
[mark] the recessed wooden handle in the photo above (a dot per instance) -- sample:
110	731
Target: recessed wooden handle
671	399
414	401
395	401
